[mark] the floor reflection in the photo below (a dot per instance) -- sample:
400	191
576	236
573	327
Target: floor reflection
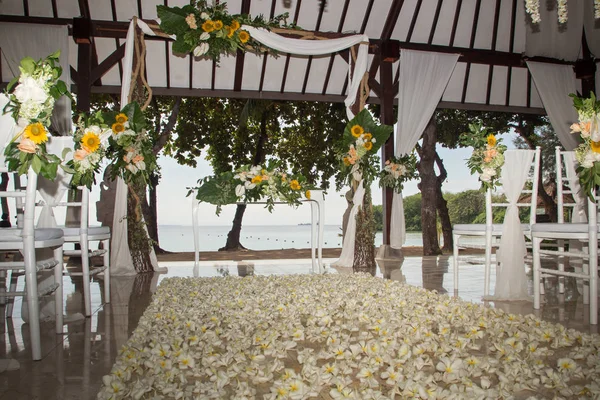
74	363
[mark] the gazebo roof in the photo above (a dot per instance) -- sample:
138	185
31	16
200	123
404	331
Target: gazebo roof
490	35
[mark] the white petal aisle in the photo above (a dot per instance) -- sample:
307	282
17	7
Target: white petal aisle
342	336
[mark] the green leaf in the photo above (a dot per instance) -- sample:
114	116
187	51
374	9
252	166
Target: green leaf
61	87
65	151
55	55
36	164
181	47
172	19
28	65
12	83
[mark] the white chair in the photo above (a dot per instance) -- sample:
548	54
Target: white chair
27	239
493	232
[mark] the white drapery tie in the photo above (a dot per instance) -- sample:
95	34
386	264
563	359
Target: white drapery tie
423	79
578	196
511	280
347	255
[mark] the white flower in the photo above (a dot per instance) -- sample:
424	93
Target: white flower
204	15
240	190
30	89
595	129
205	36
201	49
487	174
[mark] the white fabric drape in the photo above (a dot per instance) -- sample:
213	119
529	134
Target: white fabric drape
321	47
347	256
511	280
423	79
578	196
554	83
38	41
7	124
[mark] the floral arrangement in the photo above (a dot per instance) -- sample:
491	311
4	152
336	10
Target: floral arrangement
210	30
533	9
348	336
398	170
130	148
488	155
31	100
251	183
361	140
588	152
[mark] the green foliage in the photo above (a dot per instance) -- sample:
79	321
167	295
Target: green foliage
378	217
488	155
464	207
398	170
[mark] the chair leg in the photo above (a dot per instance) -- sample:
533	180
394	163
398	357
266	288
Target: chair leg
455	261
33	304
58	294
85	272
586	288
561	266
106	245
488	263
14	280
536	272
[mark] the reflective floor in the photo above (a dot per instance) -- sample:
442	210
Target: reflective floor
73	364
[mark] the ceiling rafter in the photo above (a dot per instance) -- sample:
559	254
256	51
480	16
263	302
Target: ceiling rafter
265	54
332	58
362	31
26	8
54	9
288	56
414	20
494	40
455	22
436	17
84	9
511	46
471	45
310	58
240	55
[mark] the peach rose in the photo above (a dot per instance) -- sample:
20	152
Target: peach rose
138	158
80	154
27	146
575	128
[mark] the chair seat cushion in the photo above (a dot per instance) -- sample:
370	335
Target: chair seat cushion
561	228
496	228
15	235
92	230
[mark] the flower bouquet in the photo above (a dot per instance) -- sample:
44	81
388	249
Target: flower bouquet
210	30
398	170
251	183
488	155
588	152
31	101
130	147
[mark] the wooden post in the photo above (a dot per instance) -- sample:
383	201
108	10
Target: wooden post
82	34
387	151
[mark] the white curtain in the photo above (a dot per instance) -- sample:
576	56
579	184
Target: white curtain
38	41
511	280
7	124
579	197
347	256
554	83
423	79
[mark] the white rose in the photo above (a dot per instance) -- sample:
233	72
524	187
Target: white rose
141	165
487	174
595	129
94	129
240	190
401	169
29	89
204	36
132	168
85	163
588	160
204	15
201	50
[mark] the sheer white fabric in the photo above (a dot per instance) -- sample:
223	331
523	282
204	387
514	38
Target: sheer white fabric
578	196
347	256
7	125
511	280
423	79
554	83
38	41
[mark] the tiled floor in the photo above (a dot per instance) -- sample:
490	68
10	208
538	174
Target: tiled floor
73	365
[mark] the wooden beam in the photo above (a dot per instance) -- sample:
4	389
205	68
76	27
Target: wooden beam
84	8
54	9
414	20
455	22
391	19
287	57
310	58
475	24
332	58
107	64
26	8
84	69
240	56
436	17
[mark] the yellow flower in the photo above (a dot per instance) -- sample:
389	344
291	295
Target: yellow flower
595	146
208	26
36	132
121	118
117	128
218	25
235	25
491	140
346	161
367	137
229	31
357	130
295	185
244	36
90	141
368	145
307	194
257	179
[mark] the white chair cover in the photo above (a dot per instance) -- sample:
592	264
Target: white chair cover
347	256
7	125
578	196
511	280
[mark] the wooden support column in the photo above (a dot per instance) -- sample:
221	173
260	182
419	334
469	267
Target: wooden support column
82	35
585	69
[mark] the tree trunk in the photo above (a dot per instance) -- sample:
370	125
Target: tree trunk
428	187
5	222
442	205
364	242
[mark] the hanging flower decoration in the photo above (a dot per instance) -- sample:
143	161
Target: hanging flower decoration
211	31
533	9
588	152
90	137
487	158
252	183
398	170
31	101
361	141
130	149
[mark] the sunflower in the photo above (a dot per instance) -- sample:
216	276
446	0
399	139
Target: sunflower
235	25
90	141
36	132
257	179
357	130
117	128
208	26
307	194
595	146
491	140
368	145
218	25
230	31
121	118
367	136
294	185
244	36
346	161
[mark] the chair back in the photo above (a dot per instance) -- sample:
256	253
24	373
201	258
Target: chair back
25	200
528	197
569	199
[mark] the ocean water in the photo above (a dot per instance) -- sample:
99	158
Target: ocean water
181	238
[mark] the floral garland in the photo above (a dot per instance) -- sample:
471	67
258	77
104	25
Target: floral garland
488	155
533	9
31	103
130	148
361	140
588	152
210	30
251	183
398	170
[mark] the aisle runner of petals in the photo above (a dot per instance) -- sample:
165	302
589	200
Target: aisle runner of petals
343	336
